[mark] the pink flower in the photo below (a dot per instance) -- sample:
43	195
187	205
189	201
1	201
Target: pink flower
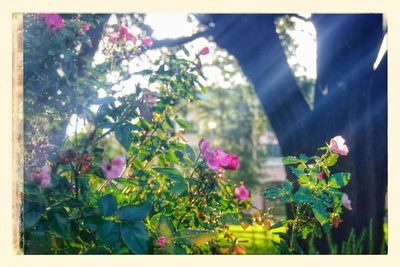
204	146
44	176
130	37
162	241
147	41
123	30
320	175
113	37
232	162
217	158
53	21
204	51
337	146
86	26
241	192
114	169
208	154
346	202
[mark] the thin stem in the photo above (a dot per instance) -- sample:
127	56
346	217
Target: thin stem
293	234
75	173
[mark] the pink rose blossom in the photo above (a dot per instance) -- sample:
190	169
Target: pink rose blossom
204	146
86	26
337	146
123	30
44	176
241	192
320	175
114	169
113	37
346	201
147	41
204	51
232	162
130	37
217	158
162	241
53	21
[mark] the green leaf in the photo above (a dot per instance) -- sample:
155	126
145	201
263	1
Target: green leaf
290	160
135	236
273	192
165	227
196	237
32	214
60	224
171	173
279	224
134	213
287	186
143	72
185	51
304	195
339	180
303	157
229	218
331	160
184	124
124	135
319	212
75	203
31	218
92	222
108	205
97	251
109	233
174	249
203	89
190	152
179	188
299	174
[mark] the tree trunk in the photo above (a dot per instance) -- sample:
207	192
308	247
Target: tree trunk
351	99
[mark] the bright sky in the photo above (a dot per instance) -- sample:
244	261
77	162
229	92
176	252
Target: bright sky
170	25
306	52
175	26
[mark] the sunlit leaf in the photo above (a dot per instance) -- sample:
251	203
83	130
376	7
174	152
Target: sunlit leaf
184	124
165	227
338	180
196	237
179	188
171	173
331	160
290	160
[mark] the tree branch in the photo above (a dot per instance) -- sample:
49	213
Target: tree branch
180	41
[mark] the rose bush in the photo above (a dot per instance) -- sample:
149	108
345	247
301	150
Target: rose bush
155	194
313	195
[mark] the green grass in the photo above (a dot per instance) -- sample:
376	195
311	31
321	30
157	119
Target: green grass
256	239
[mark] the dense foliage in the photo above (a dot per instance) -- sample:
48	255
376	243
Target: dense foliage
314	196
129	184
